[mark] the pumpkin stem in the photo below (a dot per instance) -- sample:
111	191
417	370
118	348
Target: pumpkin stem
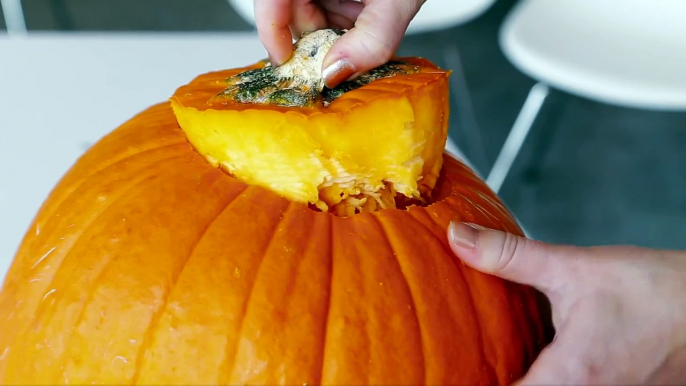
299	81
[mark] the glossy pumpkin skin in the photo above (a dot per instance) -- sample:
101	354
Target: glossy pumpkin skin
146	265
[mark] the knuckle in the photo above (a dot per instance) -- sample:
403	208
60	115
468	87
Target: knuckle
377	40
508	251
373	49
378	48
515	249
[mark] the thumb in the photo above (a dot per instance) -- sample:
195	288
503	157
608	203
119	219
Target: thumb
511	257
373	40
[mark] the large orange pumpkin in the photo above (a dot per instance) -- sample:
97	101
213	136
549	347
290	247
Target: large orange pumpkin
150	265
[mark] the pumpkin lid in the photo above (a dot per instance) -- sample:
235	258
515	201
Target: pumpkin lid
371	143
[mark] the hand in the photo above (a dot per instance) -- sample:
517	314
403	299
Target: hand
619	312
376	28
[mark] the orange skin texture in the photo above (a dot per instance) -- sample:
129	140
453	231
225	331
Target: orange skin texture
146	265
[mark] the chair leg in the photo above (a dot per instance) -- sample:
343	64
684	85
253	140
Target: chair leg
518	133
14	17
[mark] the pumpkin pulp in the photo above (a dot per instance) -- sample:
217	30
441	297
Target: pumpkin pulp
343	152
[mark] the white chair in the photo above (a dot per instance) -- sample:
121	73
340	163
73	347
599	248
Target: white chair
435	15
629	53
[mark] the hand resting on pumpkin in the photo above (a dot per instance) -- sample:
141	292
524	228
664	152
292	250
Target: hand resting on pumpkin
376	29
619	312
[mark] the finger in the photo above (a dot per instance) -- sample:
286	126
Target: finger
338	21
272	18
307	16
346	8
342	14
513	258
371	42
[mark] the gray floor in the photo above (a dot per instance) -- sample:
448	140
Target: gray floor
589	174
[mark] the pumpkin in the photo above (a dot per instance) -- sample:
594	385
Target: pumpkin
217	240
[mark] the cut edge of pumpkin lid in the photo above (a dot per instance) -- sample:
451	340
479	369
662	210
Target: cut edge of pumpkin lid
386	153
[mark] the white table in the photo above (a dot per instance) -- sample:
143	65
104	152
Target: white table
37	146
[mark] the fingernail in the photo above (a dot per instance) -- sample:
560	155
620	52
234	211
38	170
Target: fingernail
337	73
463	234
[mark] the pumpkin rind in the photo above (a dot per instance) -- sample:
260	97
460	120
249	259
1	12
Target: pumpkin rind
147	265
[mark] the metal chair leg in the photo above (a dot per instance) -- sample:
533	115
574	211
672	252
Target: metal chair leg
14	17
518	133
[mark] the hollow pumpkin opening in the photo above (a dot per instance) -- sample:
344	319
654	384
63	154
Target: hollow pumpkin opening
372	143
